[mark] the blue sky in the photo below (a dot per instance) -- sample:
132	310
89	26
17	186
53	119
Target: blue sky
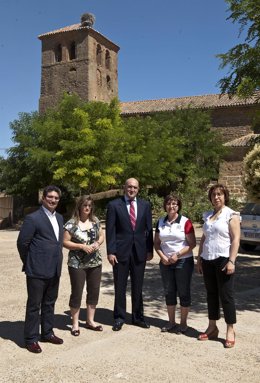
167	47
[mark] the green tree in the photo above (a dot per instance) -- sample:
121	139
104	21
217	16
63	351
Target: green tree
243	60
76	145
89	157
202	147
252	173
19	173
165	148
151	150
87	147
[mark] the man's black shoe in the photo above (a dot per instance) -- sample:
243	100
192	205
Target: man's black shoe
117	326
141	323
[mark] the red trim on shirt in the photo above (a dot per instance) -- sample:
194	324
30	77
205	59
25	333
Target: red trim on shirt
188	227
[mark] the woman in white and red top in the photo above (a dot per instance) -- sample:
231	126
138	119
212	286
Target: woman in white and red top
216	260
174	240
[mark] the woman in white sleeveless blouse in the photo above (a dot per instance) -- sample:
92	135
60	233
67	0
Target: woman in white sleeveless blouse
216	261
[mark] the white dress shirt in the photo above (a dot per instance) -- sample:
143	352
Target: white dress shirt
53	220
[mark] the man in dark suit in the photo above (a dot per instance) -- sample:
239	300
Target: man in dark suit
129	238
40	247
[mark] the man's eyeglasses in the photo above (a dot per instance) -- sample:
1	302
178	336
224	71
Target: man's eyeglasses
52	197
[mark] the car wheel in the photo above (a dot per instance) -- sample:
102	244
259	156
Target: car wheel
247	247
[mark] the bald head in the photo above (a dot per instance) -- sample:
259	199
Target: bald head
131	188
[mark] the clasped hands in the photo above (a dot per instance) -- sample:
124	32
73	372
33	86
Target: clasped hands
170	260
90	248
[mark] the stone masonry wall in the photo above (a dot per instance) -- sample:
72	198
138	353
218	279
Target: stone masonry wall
100	89
234	121
231	176
78	75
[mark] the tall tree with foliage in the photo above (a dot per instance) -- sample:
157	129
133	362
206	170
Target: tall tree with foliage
20	174
243	60
87	147
202	147
199	147
252	173
152	150
76	145
89	155
165	149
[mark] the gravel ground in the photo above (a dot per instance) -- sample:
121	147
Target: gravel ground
133	354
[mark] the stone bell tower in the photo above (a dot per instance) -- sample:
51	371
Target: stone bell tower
78	59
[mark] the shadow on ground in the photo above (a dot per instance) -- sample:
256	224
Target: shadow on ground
247	287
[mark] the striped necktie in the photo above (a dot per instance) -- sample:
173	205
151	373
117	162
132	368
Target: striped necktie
132	214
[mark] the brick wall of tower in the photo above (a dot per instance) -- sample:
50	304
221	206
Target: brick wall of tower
79	75
99	88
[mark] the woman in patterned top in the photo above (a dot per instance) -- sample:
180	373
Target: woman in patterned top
216	261
174	240
83	236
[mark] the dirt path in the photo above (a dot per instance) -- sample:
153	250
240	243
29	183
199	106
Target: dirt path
133	354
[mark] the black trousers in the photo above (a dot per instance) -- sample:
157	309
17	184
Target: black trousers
121	271
42	295
176	280
220	288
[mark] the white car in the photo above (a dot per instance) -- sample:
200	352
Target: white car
250	227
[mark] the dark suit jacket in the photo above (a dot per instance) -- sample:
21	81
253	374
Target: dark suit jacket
121	237
38	247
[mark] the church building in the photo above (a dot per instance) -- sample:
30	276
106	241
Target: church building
79	59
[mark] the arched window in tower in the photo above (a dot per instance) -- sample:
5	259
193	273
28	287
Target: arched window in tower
72	51
58	53
99	78
108	82
98	54
107	59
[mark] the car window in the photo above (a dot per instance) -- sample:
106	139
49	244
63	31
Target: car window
251	208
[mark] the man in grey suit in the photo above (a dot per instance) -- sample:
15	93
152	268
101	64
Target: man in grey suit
129	238
40	247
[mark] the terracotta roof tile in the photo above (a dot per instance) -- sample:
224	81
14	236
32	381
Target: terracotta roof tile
245	141
69	28
169	104
73	27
